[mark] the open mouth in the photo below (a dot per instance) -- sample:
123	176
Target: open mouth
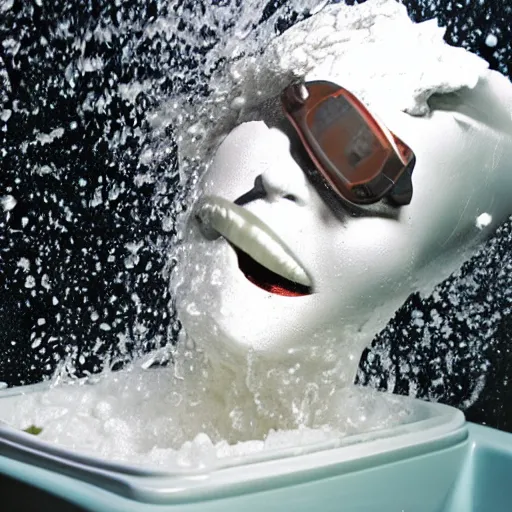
268	280
265	260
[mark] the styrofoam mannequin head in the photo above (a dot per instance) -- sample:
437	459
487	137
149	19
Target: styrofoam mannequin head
363	262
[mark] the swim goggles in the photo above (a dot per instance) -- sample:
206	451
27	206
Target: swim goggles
361	160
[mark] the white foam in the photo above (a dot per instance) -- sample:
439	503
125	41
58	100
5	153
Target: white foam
491	40
149	418
483	220
373	49
8	202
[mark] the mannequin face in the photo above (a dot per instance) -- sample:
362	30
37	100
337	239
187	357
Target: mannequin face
361	262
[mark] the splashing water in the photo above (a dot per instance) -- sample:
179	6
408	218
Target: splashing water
145	116
447	342
92	196
142	91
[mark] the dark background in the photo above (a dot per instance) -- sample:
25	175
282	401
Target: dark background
82	251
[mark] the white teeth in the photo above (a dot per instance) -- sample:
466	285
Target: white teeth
244	230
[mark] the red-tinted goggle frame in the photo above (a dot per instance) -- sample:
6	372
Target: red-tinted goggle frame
359	157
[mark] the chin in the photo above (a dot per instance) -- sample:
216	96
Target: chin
236	322
226	311
243	325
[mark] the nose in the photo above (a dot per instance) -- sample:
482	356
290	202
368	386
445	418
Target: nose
267	185
284	178
278	187
256	192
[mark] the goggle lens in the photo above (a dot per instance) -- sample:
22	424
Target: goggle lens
360	158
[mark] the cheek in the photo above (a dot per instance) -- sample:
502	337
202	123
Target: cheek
371	251
227	181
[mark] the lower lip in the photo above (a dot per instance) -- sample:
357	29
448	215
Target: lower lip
268	280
